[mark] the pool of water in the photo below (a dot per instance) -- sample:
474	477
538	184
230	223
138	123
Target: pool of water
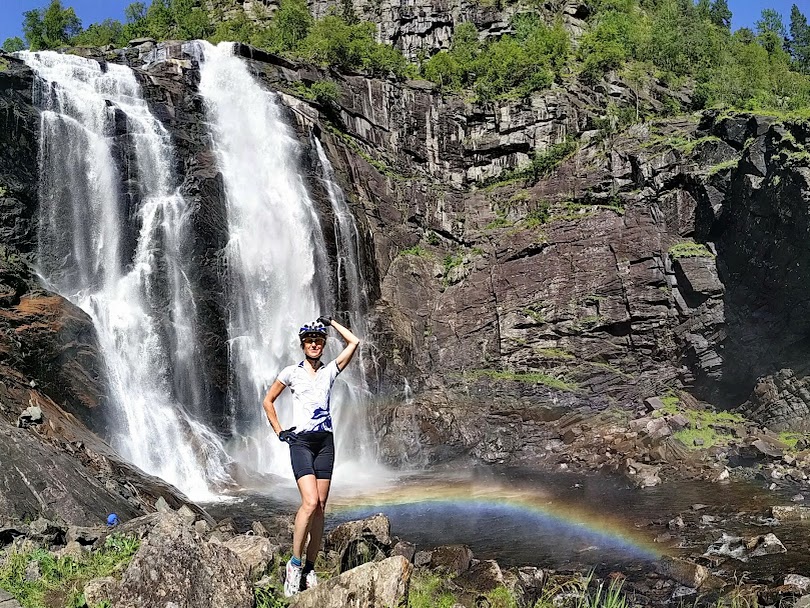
559	521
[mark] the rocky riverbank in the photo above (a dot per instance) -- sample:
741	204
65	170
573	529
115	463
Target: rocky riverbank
183	559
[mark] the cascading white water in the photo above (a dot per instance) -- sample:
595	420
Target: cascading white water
135	288
277	266
352	288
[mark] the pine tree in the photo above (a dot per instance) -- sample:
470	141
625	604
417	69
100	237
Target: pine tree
799	40
720	14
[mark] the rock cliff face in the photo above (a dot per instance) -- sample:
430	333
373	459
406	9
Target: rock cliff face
663	257
426	27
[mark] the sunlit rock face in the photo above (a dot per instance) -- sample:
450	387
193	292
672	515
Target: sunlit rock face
579	290
423	28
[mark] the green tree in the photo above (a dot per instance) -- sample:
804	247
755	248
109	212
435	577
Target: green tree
445	70
59	24
51	27
135	12
290	26
159	20
450	69
14	44
236	29
506	66
720	14
33	29
771	30
617	37
190	20
799	40
109	31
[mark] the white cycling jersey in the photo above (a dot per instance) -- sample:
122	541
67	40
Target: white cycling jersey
311	395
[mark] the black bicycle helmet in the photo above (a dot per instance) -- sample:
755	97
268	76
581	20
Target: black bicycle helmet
314	330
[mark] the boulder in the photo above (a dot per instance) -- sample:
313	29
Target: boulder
790	512
255	552
30	416
101	589
381	584
451	559
482	577
7	600
688	573
358	542
745	549
642	475
175	566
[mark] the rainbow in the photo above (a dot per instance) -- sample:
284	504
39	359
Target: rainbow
533	508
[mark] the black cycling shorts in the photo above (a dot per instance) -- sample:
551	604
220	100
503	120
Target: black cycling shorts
313	453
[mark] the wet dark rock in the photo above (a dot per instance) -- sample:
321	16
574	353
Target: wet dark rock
358	542
642	475
452	559
406	550
482	577
779	401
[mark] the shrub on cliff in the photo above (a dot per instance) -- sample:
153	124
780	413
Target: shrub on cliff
512	66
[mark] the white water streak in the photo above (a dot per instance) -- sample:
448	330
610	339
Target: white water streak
274	250
83	212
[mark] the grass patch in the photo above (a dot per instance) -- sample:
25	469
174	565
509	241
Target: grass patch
791	439
381	166
324	92
499	222
708	427
527	377
427	591
535	313
4	64
689	249
726	164
571	210
501	598
543	164
63	577
416	251
671	403
589	322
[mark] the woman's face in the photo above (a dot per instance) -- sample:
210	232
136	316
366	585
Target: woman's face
313	347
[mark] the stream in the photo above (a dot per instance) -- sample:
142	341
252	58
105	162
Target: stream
561	521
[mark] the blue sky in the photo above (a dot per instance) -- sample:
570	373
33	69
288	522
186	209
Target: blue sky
745	12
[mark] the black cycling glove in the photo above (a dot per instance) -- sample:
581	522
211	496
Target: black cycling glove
325	320
287	435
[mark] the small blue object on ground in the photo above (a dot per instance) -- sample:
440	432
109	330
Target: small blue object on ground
112	520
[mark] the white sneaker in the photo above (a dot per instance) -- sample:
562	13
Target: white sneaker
311	580
292	580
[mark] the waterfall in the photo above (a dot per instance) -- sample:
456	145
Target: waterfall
278	271
112	239
279	275
352	290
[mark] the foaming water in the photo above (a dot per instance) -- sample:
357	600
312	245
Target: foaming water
112	236
278	272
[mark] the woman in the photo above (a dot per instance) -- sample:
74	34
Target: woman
312	448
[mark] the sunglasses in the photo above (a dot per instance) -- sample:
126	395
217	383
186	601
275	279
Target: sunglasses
318	341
